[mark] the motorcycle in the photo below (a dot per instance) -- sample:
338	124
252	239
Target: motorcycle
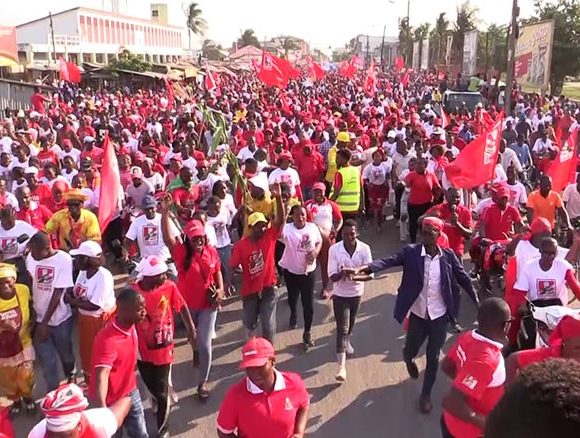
539	320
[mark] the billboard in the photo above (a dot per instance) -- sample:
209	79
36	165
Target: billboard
469	65
416	54
8	49
533	56
425	54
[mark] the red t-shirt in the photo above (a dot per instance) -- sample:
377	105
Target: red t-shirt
37	101
46	157
421	187
309	167
499	223
157	330
37	217
528	357
456	239
568	327
257	261
116	348
95	154
193	282
41	194
480	377
256	414
186	198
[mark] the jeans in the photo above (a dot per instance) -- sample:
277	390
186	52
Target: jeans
225	254
134	423
156	378
59	343
261	305
415	212
301	286
435	331
204	320
345	310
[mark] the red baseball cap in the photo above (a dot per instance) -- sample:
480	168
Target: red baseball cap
285	156
194	229
319	186
256	352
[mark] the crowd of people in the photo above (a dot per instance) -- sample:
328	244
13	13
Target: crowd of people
313	165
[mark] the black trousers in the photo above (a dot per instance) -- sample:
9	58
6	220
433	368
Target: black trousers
113	237
278	252
399	190
435	332
156	378
415	212
301	286
345	310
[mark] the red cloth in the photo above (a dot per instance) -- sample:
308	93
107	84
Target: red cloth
421	187
456	239
271	71
309	168
528	357
41	194
110	185
475	164
257	261
499	223
116	349
37	217
6	428
186	198
568	327
194	282
156	332
37	101
562	169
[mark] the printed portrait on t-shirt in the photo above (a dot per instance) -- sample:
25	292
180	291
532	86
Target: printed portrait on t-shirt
256	263
305	244
44	277
9	246
150	235
80	291
158	325
546	287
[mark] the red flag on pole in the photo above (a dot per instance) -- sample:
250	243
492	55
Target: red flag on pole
63	70
399	64
370	81
170	96
562	169
444	118
69	71
315	71
209	82
110	185
475	164
405	78
271	73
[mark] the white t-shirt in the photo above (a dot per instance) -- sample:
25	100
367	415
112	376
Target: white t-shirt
228	206
74	153
220	225
48	274
156	181
69	176
482	206
339	258
99	290
377	175
211	236
544	285
525	252
147	233
8	239
101	420
288	176
206	186
572	199
245	153
518	195
541	146
299	242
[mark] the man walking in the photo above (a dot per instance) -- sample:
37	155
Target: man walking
425	292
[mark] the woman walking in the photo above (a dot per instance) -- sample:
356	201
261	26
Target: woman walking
302	243
200	282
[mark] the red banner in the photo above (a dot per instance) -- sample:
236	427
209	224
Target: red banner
110	185
8	47
271	71
562	169
475	164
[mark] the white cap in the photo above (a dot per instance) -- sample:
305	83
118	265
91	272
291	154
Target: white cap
438	131
31	170
479	105
88	139
391	134
427	106
88	248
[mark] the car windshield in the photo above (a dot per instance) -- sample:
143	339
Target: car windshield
470	99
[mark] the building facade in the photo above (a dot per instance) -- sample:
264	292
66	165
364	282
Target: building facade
369	46
88	35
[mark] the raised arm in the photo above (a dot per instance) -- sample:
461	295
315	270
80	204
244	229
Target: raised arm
280	217
168	238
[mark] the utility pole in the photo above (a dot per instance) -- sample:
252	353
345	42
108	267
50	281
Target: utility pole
383	46
408	31
510	61
52	35
367	57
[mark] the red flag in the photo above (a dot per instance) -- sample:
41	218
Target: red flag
63	70
271	72
69	71
284	102
315	71
475	164
290	72
209	82
170	96
562	169
440	76
347	69
370	81
110	185
256	66
405	78
357	62
444	118
399	64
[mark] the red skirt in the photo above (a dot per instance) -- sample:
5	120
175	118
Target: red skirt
378	195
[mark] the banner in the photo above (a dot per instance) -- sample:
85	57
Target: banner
425	54
533	56
469	66
416	55
8	48
448	50
562	170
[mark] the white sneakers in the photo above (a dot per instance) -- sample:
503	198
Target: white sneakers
341	374
349	348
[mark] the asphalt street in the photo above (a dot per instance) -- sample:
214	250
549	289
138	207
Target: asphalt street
378	399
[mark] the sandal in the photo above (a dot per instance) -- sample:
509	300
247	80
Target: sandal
15	408
203	391
29	406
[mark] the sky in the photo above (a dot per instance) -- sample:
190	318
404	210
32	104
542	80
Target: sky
323	23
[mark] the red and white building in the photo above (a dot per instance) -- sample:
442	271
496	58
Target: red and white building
89	35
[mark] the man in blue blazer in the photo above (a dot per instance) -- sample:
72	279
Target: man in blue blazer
426	296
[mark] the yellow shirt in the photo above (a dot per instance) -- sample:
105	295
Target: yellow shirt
332	168
69	233
8	310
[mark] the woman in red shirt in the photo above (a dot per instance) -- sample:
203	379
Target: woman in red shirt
200	281
422	184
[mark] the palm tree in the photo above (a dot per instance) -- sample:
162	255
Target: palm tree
288	44
405	40
195	23
421	32
465	22
439	37
248	38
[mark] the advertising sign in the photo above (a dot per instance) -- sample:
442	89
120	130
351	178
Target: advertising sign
533	56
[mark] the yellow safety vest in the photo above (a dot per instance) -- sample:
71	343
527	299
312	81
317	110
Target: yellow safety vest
349	198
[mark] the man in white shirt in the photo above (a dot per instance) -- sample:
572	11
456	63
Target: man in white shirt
13	242
343	258
285	174
51	273
247	151
509	157
137	190
571	198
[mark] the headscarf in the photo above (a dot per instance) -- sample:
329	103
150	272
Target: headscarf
63	407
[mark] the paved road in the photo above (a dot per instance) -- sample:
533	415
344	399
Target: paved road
378	400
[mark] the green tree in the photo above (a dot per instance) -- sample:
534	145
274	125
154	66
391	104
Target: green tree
248	38
289	44
464	22
566	49
438	39
211	50
129	61
492	47
195	23
406	40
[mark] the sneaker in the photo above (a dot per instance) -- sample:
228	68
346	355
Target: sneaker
307	341
341	375
293	322
349	348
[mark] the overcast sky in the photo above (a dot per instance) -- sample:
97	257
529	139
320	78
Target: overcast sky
323	23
